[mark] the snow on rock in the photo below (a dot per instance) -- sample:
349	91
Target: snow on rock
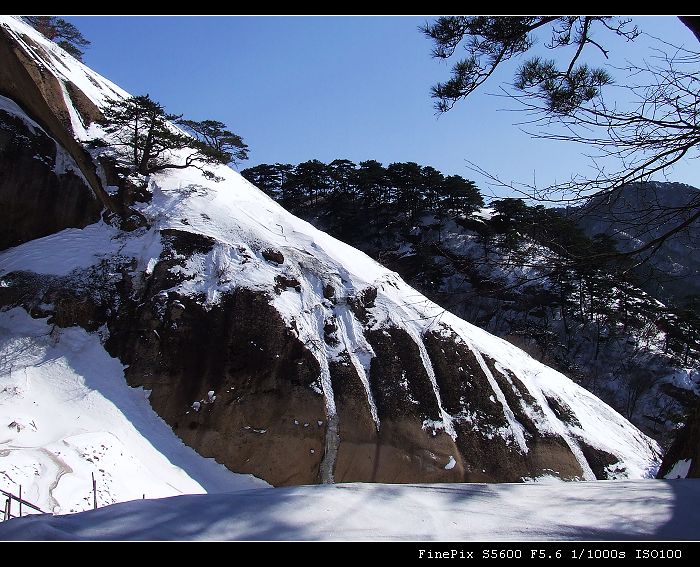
63	66
679	470
74	249
66	413
625	510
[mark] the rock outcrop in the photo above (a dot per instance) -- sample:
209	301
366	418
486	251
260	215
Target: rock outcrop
683	457
41	188
30	76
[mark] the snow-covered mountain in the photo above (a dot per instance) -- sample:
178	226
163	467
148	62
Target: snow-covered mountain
507	275
264	342
638	213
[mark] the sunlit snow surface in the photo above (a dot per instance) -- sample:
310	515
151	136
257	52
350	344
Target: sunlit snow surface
66	413
642	509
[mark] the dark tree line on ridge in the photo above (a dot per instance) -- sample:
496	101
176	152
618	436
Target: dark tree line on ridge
366	196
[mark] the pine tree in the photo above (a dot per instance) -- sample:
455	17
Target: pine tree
309	182
460	195
216	142
407	180
63	33
286	175
340	173
431	188
142	129
145	138
342	206
371	180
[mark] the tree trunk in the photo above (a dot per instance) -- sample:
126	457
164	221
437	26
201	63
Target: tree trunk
148	145
692	23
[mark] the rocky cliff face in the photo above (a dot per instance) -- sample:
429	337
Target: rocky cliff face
36	174
271	346
682	460
34	77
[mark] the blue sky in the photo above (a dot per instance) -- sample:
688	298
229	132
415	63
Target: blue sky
299	88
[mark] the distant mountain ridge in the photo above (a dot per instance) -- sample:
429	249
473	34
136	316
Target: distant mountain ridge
638	213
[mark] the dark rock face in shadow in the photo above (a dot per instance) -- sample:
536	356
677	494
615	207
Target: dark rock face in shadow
34	200
686	446
233	381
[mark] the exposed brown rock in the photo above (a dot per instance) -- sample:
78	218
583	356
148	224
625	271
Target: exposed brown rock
361	302
600	461
265	418
83	300
266	415
39	94
74	309
400	451
328	292
467	395
87	109
187	243
272	255
546	451
285	282
562	411
399	382
357	452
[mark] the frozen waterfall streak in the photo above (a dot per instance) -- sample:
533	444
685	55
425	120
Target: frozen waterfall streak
76	122
561	429
332	435
428	365
515	426
354	341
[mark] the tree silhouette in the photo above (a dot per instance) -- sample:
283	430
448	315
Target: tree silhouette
216	142
147	141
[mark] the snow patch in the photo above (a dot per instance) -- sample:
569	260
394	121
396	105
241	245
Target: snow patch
680	469
68	413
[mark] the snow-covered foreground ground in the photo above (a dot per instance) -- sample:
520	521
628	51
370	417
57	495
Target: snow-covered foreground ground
66	413
619	510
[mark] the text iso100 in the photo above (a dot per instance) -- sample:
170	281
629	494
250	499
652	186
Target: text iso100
658	554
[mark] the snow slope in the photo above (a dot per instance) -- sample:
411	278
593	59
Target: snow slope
624	510
66	413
